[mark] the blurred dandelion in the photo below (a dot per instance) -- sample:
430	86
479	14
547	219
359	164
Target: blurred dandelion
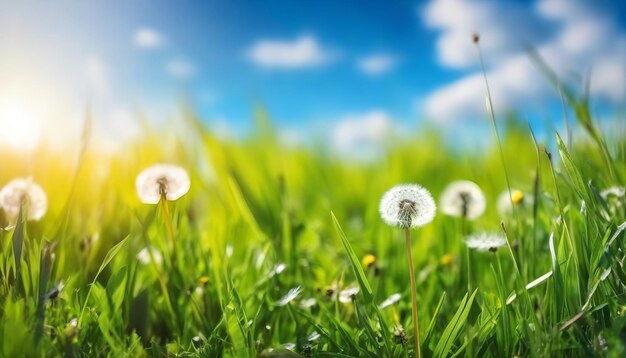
446	260
368	260
408	206
162	181
486	241
349	294
464	199
23	194
506	202
308	303
146	255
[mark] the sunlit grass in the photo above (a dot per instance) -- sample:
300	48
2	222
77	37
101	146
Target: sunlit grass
258	264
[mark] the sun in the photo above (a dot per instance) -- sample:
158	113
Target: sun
20	128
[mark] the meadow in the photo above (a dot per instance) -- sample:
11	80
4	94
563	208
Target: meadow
280	251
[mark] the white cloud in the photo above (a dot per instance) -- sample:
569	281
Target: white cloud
582	38
180	68
362	135
377	64
303	52
148	38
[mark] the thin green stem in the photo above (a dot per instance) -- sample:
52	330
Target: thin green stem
416	334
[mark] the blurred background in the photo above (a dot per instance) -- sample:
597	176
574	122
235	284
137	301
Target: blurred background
349	74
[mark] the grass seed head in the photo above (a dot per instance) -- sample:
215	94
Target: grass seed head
168	180
463	198
407	206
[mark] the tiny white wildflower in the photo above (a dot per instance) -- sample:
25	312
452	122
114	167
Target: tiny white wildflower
144	256
486	241
349	294
23	193
391	300
290	296
169	180
407	205
308	303
463	198
277	269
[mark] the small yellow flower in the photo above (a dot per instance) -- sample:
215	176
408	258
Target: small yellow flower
369	260
517	197
446	260
203	280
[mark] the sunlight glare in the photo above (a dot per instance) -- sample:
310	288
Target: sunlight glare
19	128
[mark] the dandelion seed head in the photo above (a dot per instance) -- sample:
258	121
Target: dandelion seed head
308	303
25	193
144	256
407	205
349	294
168	180
486	241
463	198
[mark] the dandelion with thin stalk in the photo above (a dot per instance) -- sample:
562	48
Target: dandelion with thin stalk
22	200
23	195
463	199
409	206
160	183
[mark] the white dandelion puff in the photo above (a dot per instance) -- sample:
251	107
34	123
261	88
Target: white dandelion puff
144	256
168	180
486	241
23	193
308	303
290	296
407	205
463	198
392	300
349	294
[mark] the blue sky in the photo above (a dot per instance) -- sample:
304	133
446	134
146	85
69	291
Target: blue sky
350	69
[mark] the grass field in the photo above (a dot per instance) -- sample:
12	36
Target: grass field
280	251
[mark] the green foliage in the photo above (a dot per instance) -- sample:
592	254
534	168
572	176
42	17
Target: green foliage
262	218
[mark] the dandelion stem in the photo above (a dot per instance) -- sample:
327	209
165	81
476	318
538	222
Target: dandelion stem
416	335
167	218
